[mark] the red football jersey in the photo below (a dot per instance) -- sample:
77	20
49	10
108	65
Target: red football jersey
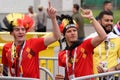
30	57
83	60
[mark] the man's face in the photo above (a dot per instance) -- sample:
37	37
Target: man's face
71	35
107	23
31	10
108	7
73	10
19	33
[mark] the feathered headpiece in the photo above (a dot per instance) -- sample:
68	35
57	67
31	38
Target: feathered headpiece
17	19
65	22
117	28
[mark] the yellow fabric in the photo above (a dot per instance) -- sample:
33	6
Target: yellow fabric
14	17
113	53
65	21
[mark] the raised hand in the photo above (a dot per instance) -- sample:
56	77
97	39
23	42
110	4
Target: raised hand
51	11
86	13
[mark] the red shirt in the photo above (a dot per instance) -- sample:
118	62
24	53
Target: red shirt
30	57
83	60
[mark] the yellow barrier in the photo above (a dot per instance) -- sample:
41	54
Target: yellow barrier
1	46
49	52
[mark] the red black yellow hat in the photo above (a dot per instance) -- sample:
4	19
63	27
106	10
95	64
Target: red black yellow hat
17	19
65	22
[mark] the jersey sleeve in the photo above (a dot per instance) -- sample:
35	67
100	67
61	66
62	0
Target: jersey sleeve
37	44
88	45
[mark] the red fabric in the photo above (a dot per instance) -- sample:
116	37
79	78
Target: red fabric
61	27
26	21
84	60
30	62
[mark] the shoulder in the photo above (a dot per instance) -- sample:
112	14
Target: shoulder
31	40
61	53
115	39
7	45
87	43
112	35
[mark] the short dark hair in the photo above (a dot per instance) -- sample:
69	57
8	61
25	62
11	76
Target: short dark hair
76	6
30	6
102	13
106	2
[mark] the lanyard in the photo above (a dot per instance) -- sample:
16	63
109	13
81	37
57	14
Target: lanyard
21	52
106	50
13	53
73	60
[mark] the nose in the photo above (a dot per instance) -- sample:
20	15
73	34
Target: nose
73	32
110	21
20	31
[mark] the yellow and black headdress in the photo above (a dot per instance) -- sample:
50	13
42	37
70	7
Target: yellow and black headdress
65	22
17	19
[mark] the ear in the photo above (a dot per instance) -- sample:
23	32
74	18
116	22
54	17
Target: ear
11	33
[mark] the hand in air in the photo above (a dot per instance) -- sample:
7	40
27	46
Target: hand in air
86	13
51	11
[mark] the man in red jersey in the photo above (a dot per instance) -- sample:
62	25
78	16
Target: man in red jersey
77	56
20	57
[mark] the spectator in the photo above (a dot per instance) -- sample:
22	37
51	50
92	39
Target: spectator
20	57
32	14
41	20
108	51
78	18
107	6
77	56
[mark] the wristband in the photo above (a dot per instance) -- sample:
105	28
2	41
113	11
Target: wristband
91	19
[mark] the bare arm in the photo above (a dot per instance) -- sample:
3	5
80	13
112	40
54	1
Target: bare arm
56	32
115	68
101	33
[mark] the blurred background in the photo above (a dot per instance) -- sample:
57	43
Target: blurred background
62	6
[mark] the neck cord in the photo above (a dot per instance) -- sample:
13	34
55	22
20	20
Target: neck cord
18	57
73	66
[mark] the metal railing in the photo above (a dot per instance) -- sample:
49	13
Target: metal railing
50	75
47	72
55	63
15	78
107	75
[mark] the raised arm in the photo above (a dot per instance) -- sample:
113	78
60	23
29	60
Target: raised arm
55	28
101	33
